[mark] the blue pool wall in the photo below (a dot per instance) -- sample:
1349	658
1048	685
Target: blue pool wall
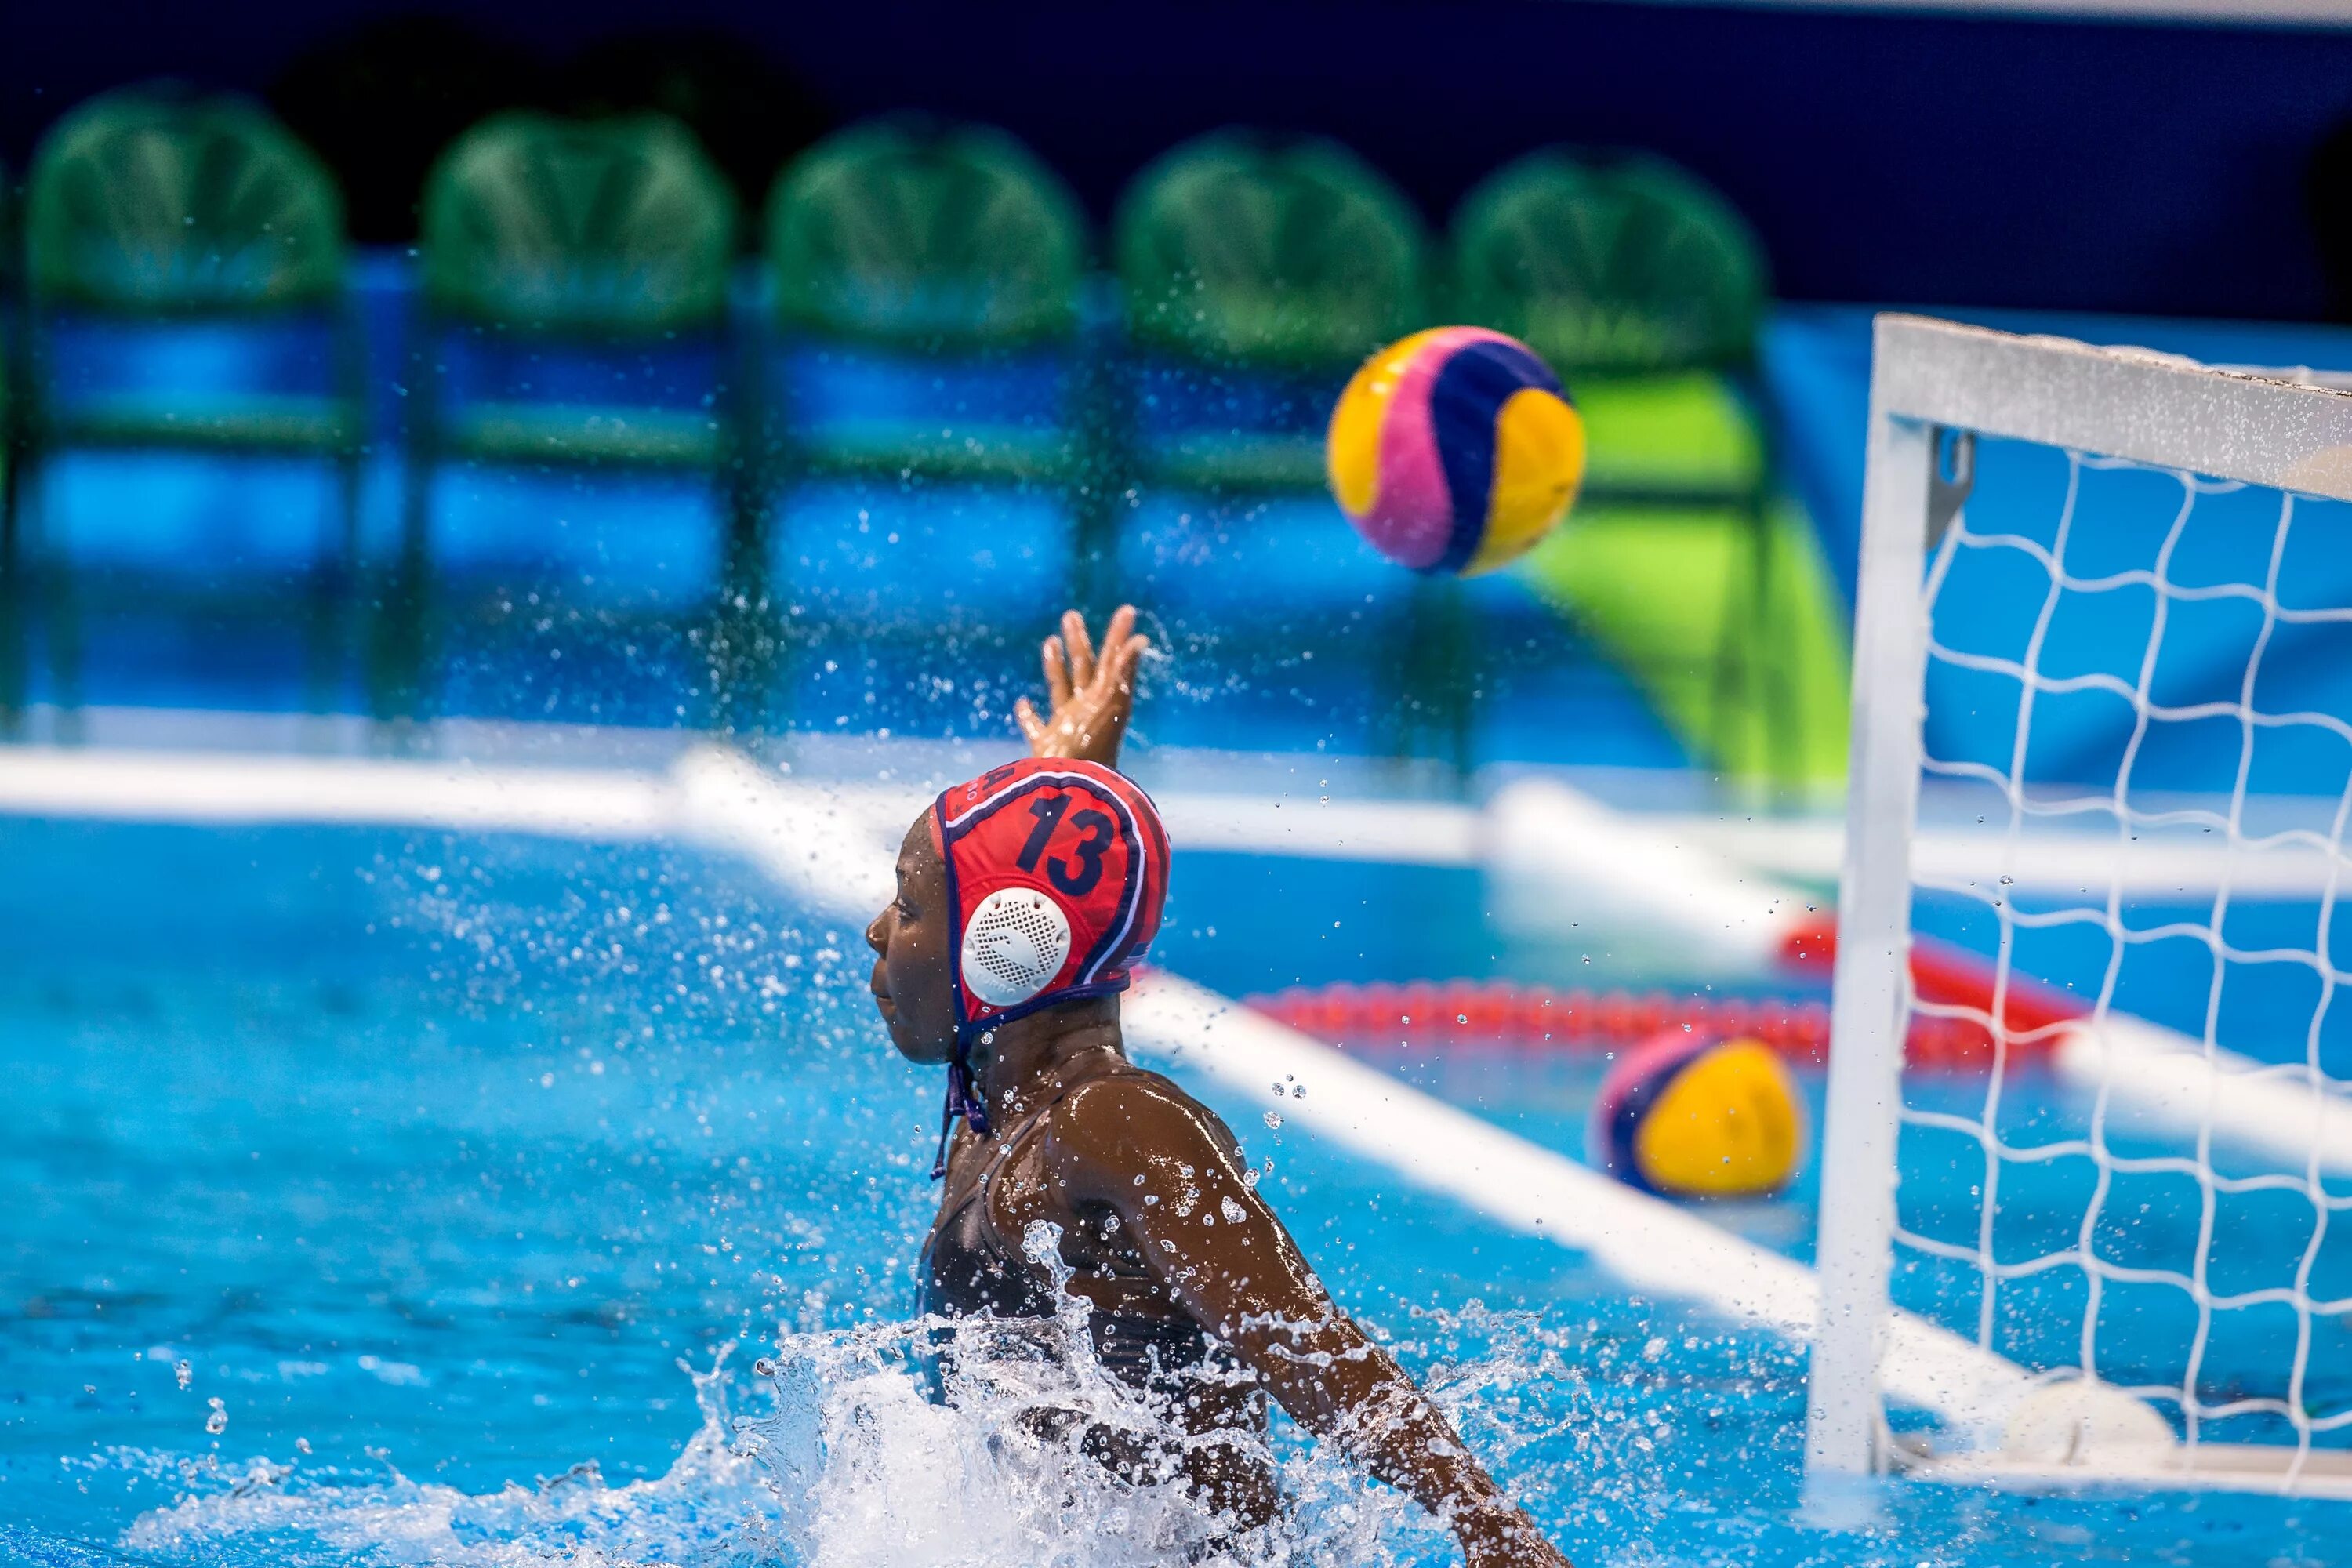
611	572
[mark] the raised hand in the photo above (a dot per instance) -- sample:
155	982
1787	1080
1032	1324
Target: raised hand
1089	698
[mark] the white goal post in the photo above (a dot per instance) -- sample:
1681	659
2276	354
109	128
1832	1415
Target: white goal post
1936	388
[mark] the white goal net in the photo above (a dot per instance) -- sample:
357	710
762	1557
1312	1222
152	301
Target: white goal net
2104	647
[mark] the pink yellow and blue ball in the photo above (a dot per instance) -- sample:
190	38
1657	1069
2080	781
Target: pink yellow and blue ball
1698	1116
1455	450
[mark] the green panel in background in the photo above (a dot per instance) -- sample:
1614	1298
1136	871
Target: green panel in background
904	232
152	201
1683	434
1247	248
1733	631
606	226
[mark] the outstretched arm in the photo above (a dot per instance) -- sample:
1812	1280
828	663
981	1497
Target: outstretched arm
1228	1260
1089	699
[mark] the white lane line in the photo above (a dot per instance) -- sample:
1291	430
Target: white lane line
1405	833
2179	1085
166	782
230	787
2157	863
1563	865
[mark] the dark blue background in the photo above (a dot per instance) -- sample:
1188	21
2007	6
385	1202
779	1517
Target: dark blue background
1953	160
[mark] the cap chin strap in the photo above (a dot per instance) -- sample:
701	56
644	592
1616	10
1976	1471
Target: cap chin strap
1014	993
963	1083
963	1099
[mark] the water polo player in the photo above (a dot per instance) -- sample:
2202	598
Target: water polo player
1023	897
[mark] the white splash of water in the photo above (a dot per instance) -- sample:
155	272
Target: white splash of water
710	1509
933	1442
983	1465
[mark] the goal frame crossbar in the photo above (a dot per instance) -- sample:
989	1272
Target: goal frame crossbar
1930	376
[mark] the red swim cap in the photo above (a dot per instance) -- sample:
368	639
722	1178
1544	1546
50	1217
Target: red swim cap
1056	872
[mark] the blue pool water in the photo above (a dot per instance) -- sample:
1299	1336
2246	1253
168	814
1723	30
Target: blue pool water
449	1167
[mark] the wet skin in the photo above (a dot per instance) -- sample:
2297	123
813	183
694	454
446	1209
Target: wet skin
1158	1222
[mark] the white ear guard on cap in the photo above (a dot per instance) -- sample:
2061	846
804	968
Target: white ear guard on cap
1013	945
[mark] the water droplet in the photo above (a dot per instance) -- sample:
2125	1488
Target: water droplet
1234	1213
1274	1118
2007	881
184	1372
1298	1093
217	1422
302	1444
763	1367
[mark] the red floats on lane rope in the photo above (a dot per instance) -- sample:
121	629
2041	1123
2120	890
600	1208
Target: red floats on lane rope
1538	1017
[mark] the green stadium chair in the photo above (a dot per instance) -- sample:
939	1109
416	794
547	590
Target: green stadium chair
949	242
1287	259
926	287
152	206
613	233
561	258
1605	267
12	582
1645	290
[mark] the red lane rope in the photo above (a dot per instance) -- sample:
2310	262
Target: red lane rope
1466	1012
1532	1016
1959	1000
1950	985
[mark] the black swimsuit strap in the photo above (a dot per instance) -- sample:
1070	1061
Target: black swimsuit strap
1147	1349
1009	1140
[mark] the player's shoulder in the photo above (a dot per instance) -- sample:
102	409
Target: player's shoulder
1128	1090
1138	1105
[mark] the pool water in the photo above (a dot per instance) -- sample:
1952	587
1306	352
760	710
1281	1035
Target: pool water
390	1197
